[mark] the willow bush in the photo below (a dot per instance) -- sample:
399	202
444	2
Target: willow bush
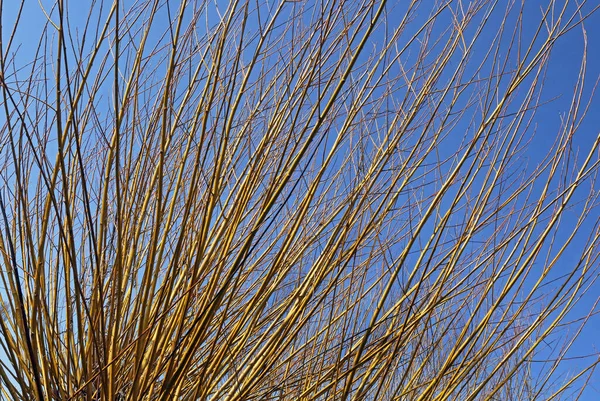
294	200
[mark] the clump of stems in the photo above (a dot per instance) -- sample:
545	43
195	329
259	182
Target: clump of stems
292	200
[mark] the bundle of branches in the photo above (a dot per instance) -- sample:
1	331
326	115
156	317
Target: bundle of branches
289	200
